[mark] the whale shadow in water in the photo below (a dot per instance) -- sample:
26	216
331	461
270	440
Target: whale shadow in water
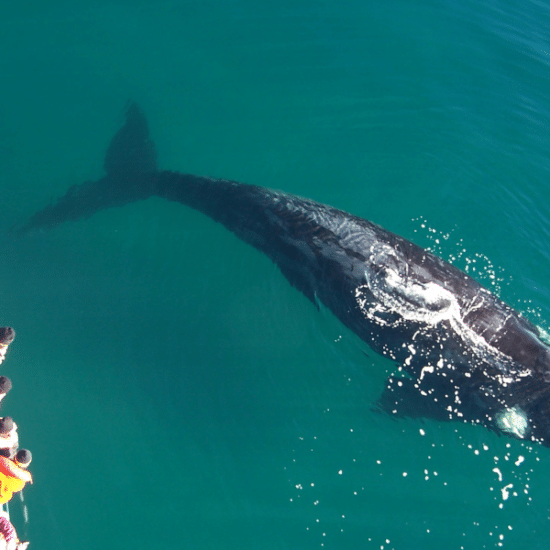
461	353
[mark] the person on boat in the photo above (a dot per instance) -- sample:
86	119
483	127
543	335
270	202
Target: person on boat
9	439
7	334
14	474
5	386
8	536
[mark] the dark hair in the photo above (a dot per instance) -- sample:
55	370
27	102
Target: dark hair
6	425
5	384
7	334
23	457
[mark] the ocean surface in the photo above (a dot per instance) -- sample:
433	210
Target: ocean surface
175	390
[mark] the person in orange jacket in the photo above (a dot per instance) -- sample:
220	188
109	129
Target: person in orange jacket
13	474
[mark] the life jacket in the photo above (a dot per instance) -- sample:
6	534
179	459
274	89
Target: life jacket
12	478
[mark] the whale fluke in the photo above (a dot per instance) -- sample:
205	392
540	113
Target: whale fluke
130	165
131	150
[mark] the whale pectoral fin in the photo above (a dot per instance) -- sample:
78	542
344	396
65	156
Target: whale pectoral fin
414	398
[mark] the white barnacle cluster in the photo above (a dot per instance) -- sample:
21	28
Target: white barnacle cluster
513	421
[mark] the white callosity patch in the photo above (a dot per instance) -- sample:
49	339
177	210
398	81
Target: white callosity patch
513	421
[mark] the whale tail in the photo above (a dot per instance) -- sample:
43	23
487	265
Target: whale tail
131	171
131	151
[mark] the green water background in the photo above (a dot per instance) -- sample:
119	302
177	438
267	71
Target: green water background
174	389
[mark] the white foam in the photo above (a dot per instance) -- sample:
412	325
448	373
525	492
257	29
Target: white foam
400	299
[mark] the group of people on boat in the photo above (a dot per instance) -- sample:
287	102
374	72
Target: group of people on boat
13	461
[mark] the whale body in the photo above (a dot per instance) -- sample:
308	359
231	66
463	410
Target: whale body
462	353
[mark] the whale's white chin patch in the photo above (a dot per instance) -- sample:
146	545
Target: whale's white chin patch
513	421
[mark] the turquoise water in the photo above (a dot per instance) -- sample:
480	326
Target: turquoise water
174	389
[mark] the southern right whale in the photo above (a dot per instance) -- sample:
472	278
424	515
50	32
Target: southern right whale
462	353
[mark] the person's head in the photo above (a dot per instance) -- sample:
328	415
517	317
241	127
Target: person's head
6	425
7	334
5	386
23	458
